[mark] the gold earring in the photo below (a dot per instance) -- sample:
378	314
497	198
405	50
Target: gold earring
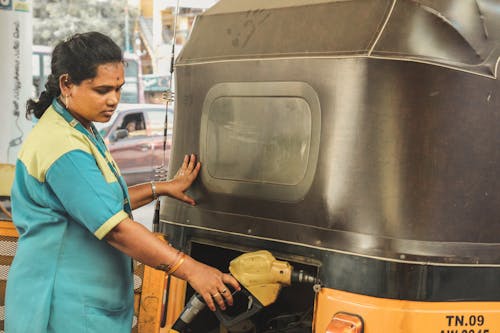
66	101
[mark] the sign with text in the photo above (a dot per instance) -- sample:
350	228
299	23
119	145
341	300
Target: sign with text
15	71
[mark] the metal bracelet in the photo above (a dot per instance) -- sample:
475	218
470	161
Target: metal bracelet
177	263
153	190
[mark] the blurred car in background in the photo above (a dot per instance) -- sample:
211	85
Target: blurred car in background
134	136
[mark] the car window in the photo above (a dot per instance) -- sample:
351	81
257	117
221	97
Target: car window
134	123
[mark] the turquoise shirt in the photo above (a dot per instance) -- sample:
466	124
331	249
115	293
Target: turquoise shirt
65	198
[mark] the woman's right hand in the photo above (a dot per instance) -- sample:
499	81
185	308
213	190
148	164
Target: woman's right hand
209	282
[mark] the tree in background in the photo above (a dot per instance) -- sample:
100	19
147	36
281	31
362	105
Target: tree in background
54	20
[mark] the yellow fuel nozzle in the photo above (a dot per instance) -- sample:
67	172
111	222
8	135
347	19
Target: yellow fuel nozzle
261	274
262	277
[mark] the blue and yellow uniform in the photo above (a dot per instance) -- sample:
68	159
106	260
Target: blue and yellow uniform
67	195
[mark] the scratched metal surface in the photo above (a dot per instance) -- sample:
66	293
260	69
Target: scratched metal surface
408	159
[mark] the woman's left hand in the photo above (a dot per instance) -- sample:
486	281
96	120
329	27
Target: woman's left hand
183	179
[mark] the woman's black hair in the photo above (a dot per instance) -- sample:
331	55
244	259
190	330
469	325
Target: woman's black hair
78	56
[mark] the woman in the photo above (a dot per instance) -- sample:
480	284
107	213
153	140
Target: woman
72	271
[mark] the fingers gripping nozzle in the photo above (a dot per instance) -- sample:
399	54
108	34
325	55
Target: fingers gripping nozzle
261	276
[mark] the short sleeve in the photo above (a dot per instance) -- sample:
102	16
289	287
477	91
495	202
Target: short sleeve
84	193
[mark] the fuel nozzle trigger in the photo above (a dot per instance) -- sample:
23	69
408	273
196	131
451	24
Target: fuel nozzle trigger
244	306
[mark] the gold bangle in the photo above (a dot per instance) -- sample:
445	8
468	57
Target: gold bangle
153	190
177	264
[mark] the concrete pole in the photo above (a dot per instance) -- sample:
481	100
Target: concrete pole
127	34
15	75
157	33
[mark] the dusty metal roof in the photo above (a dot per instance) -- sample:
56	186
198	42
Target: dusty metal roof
460	34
